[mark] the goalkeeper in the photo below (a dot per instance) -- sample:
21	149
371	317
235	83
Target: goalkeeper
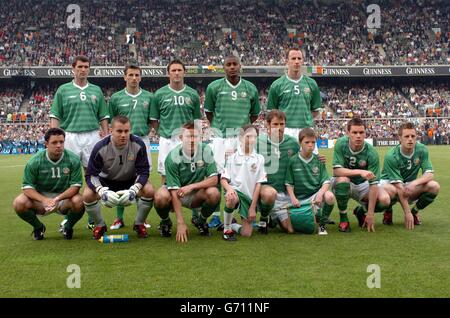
117	175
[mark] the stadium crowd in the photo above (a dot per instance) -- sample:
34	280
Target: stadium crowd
113	32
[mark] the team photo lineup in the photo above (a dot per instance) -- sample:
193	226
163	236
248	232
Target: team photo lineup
279	174
245	150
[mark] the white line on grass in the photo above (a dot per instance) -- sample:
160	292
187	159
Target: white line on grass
12	166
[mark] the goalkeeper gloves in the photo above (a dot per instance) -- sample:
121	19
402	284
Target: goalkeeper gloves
109	198
128	196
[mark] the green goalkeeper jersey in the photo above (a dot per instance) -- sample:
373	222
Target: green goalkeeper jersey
276	159
296	98
399	167
232	105
306	175
79	109
364	159
174	108
135	107
45	175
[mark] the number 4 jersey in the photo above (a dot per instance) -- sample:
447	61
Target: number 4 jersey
44	175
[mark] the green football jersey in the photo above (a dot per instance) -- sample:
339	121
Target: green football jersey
276	158
232	105
182	170
365	159
306	176
174	108
79	109
44	175
401	168
297	99
135	107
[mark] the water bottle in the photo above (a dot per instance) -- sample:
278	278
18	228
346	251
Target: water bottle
114	238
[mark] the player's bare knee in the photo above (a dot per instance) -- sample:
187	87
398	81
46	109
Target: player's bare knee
162	198
77	204
329	197
22	204
342	180
268	195
212	195
89	195
433	187
384	199
147	191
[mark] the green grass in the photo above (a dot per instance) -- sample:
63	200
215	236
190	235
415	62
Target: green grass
413	263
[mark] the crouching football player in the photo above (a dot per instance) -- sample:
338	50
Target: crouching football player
51	183
400	177
191	181
244	172
117	175
307	181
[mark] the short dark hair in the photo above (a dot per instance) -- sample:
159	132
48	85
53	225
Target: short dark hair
188	125
355	122
245	128
131	67
306	132
176	61
81	58
407	125
121	119
275	113
231	56
293	48
54	132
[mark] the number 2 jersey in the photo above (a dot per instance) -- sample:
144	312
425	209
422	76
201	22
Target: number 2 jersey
364	159
47	176
129	163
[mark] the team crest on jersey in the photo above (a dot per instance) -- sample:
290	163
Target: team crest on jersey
243	94
66	170
145	104
290	152
253	167
362	163
200	163
130	157
307	90
416	161
94	98
315	170
188	101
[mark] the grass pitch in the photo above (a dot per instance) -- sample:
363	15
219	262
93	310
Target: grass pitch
413	263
